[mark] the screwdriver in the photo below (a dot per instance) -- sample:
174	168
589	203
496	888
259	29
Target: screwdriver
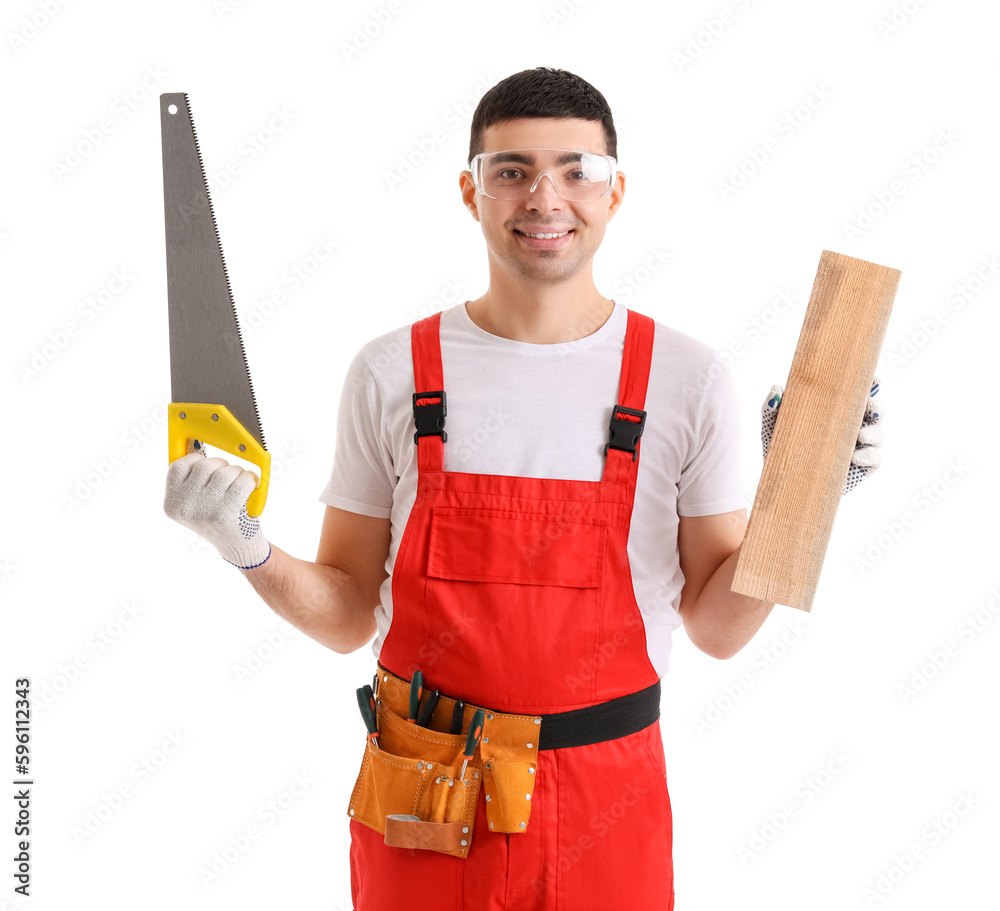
416	691
366	702
428	708
472	739
457	716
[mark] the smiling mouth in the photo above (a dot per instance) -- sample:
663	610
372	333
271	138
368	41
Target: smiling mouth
543	236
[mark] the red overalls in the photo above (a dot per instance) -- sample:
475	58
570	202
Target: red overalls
516	593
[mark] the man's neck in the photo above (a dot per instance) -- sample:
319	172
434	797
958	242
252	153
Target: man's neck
540	319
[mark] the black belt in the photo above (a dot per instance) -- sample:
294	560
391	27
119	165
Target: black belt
594	723
604	721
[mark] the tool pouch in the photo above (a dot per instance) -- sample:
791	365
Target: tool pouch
509	753
402	779
409	787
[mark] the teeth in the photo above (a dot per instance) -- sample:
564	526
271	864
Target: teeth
546	236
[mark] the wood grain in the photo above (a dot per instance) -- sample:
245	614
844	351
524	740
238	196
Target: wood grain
817	427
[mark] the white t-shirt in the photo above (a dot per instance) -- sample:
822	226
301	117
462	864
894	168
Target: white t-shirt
537	410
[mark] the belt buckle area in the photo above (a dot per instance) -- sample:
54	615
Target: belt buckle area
429	416
625	433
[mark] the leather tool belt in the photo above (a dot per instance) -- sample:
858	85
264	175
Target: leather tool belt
409	787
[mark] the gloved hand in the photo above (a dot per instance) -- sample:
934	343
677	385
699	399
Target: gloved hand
866	458
209	496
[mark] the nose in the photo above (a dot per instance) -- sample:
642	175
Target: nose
547	192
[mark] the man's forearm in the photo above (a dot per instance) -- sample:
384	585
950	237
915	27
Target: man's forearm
720	622
324	602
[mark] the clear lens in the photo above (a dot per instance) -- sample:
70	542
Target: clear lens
578	176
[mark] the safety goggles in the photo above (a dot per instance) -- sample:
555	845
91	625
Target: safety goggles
577	176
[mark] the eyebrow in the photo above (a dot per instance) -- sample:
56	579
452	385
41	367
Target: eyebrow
521	158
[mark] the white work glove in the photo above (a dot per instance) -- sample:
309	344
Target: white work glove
209	496
866	458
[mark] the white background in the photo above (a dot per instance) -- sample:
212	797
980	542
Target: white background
84	533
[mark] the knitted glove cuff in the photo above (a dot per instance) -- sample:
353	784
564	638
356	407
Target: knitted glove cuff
251	554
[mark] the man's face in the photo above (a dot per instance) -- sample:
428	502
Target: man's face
504	221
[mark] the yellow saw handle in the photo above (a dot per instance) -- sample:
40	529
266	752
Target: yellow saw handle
215	425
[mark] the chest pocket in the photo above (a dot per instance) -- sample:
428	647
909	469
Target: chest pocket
485	545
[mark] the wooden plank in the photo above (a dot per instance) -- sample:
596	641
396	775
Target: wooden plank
817	427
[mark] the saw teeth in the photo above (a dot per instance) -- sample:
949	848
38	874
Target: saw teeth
225	271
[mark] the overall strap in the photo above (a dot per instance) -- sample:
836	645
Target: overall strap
430	405
628	418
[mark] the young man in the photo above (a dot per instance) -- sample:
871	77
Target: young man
527	500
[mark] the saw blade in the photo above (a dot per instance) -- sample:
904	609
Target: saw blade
208	362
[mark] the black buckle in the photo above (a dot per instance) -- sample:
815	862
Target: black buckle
429	417
622	431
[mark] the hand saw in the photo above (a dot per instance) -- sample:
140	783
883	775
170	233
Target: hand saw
210	388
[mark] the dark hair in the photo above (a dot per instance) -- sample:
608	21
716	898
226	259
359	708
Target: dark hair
542	92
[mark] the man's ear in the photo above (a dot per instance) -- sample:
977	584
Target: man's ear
617	195
468	186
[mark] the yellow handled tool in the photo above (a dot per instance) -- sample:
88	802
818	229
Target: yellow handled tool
212	396
215	425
